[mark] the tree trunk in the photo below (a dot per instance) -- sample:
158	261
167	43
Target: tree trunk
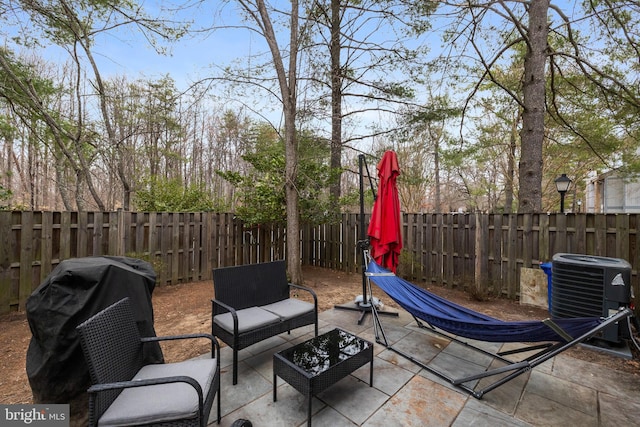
532	133
336	107
294	264
126	188
511	170
436	176
287	80
80	205
62	182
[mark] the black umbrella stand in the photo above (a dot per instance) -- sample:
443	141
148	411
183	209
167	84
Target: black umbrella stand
362	303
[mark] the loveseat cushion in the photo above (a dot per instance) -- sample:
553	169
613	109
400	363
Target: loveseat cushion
163	402
289	308
248	319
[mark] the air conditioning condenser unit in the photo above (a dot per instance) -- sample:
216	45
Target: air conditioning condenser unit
590	286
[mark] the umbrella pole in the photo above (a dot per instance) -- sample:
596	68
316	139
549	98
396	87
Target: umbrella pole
363	244
367	303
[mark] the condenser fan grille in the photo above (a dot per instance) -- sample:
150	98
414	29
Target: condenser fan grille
577	291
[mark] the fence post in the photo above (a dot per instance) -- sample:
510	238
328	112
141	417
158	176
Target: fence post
481	244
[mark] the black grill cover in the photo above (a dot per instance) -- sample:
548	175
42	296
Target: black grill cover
74	291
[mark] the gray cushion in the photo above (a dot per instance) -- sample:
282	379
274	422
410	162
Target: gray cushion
248	319
163	402
289	308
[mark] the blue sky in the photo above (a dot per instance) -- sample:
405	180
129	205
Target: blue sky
126	52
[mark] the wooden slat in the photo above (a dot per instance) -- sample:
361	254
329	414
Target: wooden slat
482	252
174	237
527	234
82	238
65	236
622	236
6	282
205	245
496	253
26	258
544	251
97	229
600	234
165	246
141	221
114	233
152	247
46	253
580	236
196	228
511	253
186	251
216	242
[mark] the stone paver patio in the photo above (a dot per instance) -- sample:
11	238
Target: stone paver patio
561	391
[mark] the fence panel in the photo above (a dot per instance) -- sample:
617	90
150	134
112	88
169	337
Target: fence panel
479	252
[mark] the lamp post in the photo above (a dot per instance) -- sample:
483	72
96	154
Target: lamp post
562	185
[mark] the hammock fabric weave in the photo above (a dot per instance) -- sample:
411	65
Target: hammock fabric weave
458	320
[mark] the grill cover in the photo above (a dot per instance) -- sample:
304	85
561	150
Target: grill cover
74	291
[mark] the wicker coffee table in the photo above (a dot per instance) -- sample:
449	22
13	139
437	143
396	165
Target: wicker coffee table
314	365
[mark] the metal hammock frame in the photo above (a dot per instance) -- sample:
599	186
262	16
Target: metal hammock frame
512	369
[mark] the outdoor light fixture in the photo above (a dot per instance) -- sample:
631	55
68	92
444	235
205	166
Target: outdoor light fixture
562	185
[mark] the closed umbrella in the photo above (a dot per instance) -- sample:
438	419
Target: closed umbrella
385	234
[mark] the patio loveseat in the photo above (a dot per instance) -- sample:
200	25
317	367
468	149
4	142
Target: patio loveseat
252	303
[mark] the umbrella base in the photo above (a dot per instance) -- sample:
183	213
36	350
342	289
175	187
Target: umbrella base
364	308
360	301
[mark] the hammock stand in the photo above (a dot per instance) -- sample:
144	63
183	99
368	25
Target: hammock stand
545	351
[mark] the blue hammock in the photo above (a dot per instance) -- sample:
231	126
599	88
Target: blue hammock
461	321
444	315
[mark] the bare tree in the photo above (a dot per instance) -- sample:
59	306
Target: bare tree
287	77
74	27
362	73
31	98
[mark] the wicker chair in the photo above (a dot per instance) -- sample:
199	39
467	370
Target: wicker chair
126	392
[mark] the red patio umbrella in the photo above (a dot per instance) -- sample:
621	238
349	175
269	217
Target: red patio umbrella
385	234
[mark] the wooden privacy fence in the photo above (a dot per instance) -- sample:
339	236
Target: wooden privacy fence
182	247
486	251
479	252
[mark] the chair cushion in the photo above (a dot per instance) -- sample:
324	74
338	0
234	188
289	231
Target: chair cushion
248	319
163	402
289	308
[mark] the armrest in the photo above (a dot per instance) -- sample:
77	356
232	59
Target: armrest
230	309
304	288
215	345
227	307
152	381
